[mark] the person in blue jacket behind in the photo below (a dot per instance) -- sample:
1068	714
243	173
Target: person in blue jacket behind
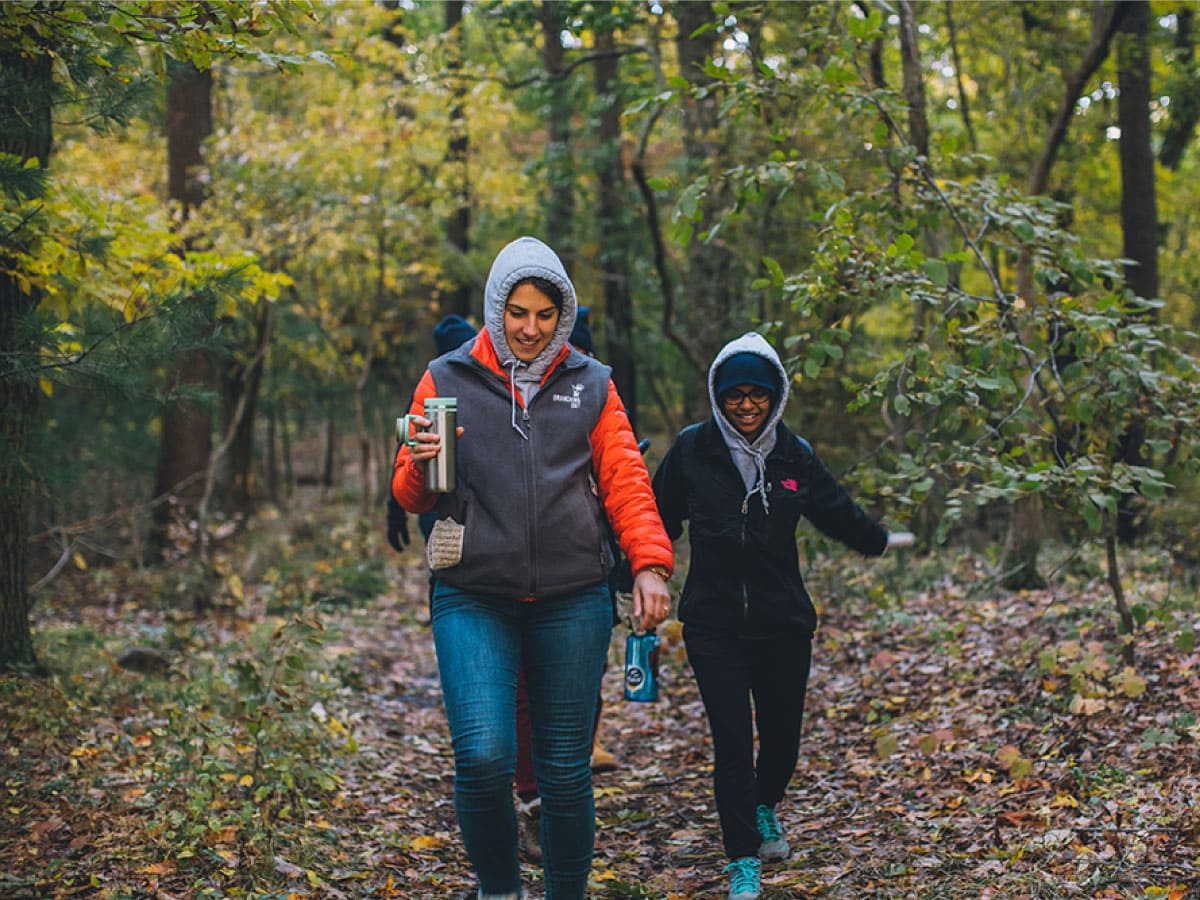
743	480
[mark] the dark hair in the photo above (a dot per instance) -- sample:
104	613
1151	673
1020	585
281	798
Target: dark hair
549	288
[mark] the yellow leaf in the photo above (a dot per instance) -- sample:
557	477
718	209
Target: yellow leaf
428	842
1132	684
80	562
246	780
47	386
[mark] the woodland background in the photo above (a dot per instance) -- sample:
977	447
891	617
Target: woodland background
228	230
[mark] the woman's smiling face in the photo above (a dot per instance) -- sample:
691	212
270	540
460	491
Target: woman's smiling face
747	406
530	318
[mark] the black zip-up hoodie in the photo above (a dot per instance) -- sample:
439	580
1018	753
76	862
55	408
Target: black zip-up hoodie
744	572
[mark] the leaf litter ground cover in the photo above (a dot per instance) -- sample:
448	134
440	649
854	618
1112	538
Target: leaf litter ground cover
960	742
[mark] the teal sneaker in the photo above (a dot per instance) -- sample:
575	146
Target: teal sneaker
743	878
774	845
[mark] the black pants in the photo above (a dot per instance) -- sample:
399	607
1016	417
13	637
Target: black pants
731	672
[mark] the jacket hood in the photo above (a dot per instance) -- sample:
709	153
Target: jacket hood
750	342
527	257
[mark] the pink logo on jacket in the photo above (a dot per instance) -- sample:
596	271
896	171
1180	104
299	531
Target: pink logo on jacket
790	484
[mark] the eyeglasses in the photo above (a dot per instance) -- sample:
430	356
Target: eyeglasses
758	396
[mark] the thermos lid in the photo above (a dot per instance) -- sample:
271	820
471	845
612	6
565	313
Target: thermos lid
441	404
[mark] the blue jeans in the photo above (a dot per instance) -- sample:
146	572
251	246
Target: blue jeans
480	643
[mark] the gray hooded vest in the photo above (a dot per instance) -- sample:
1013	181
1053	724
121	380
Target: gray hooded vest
532	523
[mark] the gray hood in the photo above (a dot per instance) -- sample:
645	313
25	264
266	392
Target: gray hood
749	458
526	257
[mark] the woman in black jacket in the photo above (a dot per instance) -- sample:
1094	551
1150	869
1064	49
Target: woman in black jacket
743	480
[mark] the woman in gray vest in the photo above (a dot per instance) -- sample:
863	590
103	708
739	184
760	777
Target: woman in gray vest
545	455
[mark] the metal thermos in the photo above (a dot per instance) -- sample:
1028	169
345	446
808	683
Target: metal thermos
443	413
641	667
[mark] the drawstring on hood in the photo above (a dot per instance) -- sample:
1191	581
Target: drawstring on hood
526	257
750	458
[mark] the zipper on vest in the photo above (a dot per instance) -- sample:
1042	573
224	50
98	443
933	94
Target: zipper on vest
531	503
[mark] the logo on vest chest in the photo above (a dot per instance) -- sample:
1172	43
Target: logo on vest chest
574	398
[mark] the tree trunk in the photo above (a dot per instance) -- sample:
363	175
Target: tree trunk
1139	207
615	243
366	459
461	299
559	196
914	83
329	467
1018	562
285	447
1126	622
185	442
236	482
1184	90
1105	19
964	102
272	454
1022	543
709	269
25	102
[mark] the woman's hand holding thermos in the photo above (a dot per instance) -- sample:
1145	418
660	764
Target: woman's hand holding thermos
425	445
433	443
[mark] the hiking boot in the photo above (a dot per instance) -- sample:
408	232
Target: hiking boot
602	760
529	829
743	878
774	845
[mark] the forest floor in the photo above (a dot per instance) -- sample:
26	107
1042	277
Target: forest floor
960	741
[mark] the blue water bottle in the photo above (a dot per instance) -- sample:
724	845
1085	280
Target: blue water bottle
641	666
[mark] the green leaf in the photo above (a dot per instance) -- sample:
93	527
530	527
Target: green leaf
774	268
936	271
902	405
1185	641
